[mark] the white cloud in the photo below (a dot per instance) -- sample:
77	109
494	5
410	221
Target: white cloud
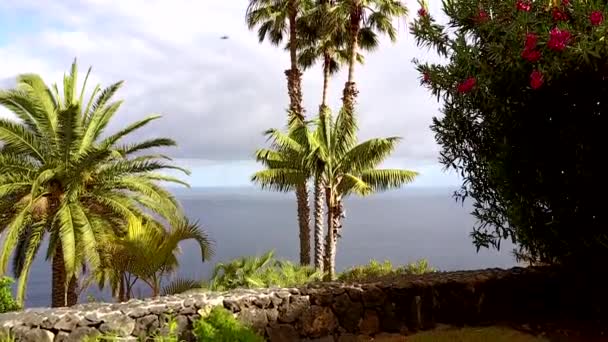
217	95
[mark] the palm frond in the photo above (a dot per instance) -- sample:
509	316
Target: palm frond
368	154
180	285
279	179
387	179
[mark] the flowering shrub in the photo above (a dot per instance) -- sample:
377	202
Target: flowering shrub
524	92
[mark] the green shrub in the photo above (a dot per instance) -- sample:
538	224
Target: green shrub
375	270
220	325
7	302
260	271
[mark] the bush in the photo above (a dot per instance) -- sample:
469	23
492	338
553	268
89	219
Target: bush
375	270
260	271
7	302
523	94
221	326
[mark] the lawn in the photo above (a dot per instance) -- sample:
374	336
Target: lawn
486	334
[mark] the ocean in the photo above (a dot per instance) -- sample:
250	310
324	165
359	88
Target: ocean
400	226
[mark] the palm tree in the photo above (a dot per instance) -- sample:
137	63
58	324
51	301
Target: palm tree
286	171
59	177
275	18
148	253
351	168
365	18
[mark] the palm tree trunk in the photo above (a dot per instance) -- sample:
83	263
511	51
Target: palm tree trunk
350	90
326	69
122	289
294	77
304	223
330	252
319	224
60	295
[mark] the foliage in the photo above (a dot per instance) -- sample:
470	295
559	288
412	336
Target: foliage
260	271
220	325
523	90
7	302
375	270
61	176
148	252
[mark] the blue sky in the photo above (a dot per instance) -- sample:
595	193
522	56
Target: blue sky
216	96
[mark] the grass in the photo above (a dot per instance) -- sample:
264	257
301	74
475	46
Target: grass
486	334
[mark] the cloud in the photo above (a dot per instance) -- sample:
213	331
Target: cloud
217	96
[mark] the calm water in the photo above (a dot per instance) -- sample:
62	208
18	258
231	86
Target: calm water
400	226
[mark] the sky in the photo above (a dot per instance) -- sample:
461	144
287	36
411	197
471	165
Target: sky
216	96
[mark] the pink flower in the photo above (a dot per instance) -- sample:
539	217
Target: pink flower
536	79
558	39
483	16
565	2
467	85
531	55
422	12
531	41
559	15
524	5
596	18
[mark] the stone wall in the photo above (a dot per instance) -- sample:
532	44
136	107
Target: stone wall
383	311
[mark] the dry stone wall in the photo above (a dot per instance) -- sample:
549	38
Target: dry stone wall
383	311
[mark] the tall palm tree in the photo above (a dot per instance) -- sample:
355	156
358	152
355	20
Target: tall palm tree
286	170
59	177
274	19
370	18
147	253
351	168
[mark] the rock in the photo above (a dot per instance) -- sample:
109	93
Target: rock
61	336
290	312
370	323
354	293
38	335
120	325
318	321
146	326
262	302
282	333
232	305
349	313
320	297
372	296
272	315
67	323
321	339
255	318
81	333
49	322
32	318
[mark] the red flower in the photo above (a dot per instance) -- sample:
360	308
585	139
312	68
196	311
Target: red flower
596	18
483	16
467	85
426	77
531	41
524	5
565	2
559	15
536	79
558	39
422	12
531	55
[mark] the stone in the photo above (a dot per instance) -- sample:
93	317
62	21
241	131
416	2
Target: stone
320	297
147	325
81	333
349	313
49	322
289	313
272	315
262	302
321	339
67	323
282	333
255	318
38	335
120	325
370	324
372	296
61	336
318	321
232	305
32	318
354	293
